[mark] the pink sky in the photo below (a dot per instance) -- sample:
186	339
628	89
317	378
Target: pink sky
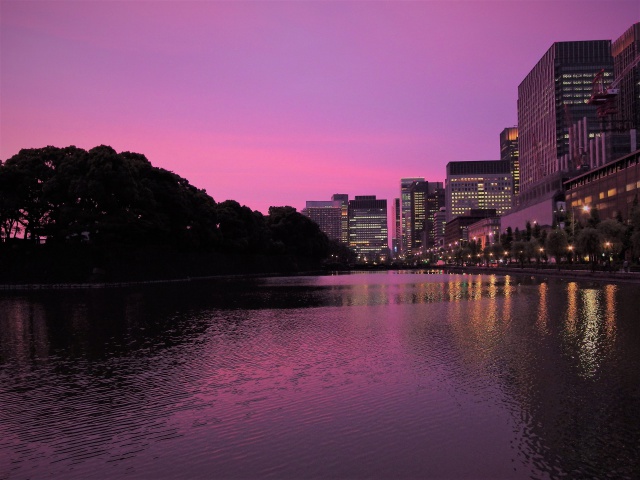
276	103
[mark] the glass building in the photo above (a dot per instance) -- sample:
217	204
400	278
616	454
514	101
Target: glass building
625	50
509	151
368	232
405	210
482	184
550	98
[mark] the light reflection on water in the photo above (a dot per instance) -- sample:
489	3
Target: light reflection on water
365	375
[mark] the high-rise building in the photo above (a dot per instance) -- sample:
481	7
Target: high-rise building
331	216
482	184
368	231
509	151
435	202
439	226
343	198
418	208
405	210
626	117
554	93
397	228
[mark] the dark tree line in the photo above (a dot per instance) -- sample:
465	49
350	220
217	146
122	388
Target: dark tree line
107	201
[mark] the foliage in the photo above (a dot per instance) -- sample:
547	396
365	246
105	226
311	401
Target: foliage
588	242
297	233
556	244
100	204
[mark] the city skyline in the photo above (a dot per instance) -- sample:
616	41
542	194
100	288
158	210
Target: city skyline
277	103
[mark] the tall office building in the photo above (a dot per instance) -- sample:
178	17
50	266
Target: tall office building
418	208
550	98
397	228
343	198
509	151
331	216
435	202
405	210
482	184
439	226
368	231
425	198
627	112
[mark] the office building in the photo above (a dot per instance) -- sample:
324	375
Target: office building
483	184
397	228
435	202
456	231
509	151
331	216
626	114
368	232
439	226
551	96
612	188
405	211
485	232
418	208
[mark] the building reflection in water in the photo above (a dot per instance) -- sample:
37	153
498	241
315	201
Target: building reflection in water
543	309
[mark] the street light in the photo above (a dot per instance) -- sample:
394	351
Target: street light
585	208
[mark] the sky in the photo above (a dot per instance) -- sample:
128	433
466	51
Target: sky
280	102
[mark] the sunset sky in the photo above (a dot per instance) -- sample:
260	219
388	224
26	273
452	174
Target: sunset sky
276	103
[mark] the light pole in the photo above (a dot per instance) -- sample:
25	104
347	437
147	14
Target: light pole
585	208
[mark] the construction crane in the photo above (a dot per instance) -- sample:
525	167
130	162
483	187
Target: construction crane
602	96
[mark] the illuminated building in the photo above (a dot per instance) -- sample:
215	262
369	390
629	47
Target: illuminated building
485	232
457	230
439	225
611	188
331	216
368	232
405	210
626	117
552	94
483	184
435	201
509	151
397	227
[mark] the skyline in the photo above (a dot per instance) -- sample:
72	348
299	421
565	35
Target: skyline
277	103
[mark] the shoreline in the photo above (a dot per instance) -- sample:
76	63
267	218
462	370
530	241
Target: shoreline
584	275
581	275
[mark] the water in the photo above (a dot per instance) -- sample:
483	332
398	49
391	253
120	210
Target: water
372	375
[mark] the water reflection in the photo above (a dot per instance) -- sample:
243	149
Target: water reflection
404	375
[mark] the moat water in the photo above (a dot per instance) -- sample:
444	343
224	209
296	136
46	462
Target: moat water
376	375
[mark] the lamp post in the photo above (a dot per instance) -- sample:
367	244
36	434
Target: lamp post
586	209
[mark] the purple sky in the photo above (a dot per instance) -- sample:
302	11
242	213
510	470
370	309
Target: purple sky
276	103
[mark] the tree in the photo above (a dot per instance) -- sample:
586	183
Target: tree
613	235
588	242
297	233
557	244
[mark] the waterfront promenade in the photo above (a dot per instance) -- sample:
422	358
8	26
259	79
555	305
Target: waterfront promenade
561	273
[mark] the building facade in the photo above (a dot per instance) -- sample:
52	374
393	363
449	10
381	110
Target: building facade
368	231
396	235
554	93
509	151
439	226
626	115
482	184
485	232
612	188
405	211
331	216
457	230
435	202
